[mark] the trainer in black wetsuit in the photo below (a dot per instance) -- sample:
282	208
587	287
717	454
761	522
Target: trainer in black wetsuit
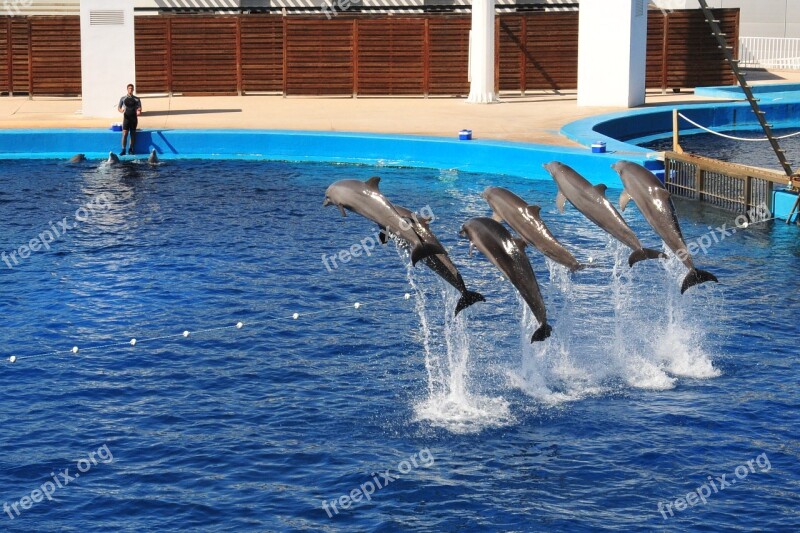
131	106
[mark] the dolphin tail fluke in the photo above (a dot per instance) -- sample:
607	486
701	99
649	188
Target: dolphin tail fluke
542	333
643	254
696	277
469	298
421	251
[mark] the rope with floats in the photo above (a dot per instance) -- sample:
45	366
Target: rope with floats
731	137
187	333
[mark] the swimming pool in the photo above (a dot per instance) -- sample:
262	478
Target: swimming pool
638	397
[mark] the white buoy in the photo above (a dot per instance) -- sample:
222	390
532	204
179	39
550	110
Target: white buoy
74	349
12	359
239	325
591	259
357	305
407	296
296	316
186	333
133	342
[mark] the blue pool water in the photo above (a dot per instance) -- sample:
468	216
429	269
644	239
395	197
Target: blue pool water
752	153
640	395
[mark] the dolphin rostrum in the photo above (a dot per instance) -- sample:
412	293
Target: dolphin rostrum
441	263
508	255
153	159
113	159
364	198
591	201
526	221
77	158
655	203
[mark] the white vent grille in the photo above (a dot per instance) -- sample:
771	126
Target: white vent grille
107	18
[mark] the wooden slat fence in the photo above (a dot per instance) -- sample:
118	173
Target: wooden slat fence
351	54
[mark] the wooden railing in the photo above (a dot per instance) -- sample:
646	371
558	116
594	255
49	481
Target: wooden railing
349	54
731	186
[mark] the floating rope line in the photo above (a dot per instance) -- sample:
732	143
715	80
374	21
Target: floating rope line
186	333
731	137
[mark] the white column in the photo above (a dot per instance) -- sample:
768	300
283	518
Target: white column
481	53
612	52
108	57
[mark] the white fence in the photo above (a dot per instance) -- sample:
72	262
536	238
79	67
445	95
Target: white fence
769	52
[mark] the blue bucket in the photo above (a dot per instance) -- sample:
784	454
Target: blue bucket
116	127
599	147
465	135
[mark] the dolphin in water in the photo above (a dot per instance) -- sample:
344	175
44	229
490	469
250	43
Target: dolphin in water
364	198
591	201
77	158
441	263
113	158
153	159
526	221
655	203
508	255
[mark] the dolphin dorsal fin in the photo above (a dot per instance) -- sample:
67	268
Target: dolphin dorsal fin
601	189
373	182
533	210
624	198
560	201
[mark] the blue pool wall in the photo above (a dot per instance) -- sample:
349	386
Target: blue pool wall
623	131
496	157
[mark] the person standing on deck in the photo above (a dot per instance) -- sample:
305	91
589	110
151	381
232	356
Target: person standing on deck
131	106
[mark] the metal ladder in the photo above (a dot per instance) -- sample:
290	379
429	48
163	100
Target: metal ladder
748	93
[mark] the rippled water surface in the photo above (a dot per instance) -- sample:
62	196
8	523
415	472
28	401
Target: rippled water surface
432	423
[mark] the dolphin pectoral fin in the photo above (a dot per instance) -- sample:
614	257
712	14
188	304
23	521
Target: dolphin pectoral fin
696	277
521	243
643	254
382	236
341	210
533	211
624	198
560	201
601	189
469	298
496	217
471	248
421	251
542	333
373	182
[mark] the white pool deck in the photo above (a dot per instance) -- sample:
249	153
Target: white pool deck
535	118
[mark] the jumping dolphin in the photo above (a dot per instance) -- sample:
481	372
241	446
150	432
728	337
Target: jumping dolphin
153	159
655	203
591	201
508	255
113	159
525	220
364	198
77	158
441	263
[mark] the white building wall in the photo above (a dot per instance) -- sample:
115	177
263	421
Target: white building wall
612	53
108	58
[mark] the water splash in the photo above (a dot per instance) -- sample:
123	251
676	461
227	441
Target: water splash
616	327
449	403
